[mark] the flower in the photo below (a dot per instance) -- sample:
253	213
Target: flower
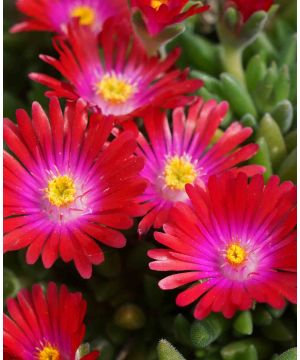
159	14
45	326
123	82
67	187
247	8
185	154
235	244
55	15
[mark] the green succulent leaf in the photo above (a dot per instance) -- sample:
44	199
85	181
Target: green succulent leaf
166	351
291	354
238	97
243	323
283	114
270	131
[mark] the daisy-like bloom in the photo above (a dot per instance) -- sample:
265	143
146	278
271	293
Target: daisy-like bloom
185	154
234	245
247	8
66	187
122	81
55	15
45	326
159	14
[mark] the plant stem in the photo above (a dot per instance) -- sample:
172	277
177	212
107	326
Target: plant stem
232	62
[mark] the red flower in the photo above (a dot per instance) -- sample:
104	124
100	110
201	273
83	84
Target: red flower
248	7
182	152
55	15
67	187
234	245
45	326
122	81
158	14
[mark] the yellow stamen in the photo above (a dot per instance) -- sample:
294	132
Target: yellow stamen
48	353
156	4
179	172
114	90
235	254
86	14
61	191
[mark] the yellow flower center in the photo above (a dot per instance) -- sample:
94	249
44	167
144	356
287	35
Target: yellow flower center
156	4
86	14
48	353
114	90
235	254
61	191
179	172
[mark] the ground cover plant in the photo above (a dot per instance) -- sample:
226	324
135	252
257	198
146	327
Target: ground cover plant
149	180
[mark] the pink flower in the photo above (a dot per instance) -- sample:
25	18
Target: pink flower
159	14
233	245
45	326
247	8
123	81
183	153
55	15
67	187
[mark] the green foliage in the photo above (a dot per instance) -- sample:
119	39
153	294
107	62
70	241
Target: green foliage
288	355
204	332
270	131
243	323
167	352
11	283
127	312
